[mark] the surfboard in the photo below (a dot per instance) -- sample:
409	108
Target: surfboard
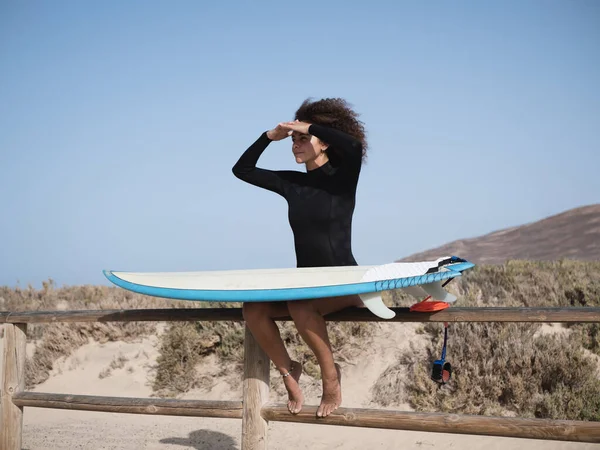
259	285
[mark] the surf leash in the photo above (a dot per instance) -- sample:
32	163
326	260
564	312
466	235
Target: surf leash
442	369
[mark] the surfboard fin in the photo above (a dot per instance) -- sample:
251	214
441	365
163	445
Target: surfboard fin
374	303
437	292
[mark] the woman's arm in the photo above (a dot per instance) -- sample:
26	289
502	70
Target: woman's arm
245	169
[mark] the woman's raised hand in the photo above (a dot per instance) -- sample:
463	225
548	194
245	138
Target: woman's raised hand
300	127
284	129
278	133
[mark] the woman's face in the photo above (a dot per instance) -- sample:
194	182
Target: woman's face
306	147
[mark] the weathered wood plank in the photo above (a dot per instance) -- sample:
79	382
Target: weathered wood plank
153	406
453	314
13	382
561	430
131	405
124	315
256	394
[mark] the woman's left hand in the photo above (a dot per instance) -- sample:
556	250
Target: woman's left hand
300	127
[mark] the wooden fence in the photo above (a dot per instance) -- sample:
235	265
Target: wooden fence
254	408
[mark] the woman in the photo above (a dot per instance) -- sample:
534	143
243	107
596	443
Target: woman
330	141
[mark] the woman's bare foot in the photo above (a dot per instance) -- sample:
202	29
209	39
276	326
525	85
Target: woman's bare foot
332	394
296	399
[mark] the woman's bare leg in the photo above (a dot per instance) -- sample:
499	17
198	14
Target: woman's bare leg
259	319
308	317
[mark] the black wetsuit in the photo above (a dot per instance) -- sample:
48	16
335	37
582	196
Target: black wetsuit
321	201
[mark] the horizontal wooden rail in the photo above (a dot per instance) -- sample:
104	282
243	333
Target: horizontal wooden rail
483	314
560	430
156	406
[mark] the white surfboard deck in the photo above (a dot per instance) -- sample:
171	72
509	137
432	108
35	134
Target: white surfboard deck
254	285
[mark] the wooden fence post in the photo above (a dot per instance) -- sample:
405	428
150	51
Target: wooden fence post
13	381
255	394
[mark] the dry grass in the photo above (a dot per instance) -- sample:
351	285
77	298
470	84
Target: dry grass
499	369
182	348
526	283
53	341
184	345
509	369
116	363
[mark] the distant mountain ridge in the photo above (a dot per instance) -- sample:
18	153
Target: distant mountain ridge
573	234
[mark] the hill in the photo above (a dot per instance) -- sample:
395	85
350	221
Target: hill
573	234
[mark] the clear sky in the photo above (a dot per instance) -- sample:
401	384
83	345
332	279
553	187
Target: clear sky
120	123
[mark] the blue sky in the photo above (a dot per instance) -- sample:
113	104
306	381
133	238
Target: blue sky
120	122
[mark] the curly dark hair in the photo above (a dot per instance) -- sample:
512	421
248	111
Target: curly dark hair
335	113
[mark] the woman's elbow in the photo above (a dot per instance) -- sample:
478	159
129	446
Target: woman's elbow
239	171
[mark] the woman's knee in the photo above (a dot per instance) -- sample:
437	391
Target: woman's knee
301	309
322	306
255	311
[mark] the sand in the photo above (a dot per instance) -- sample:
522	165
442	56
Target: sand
88	371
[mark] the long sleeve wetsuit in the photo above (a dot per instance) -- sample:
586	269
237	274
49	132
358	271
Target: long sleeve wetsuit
320	201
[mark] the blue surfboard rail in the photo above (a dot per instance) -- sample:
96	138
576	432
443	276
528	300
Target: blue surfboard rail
287	294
